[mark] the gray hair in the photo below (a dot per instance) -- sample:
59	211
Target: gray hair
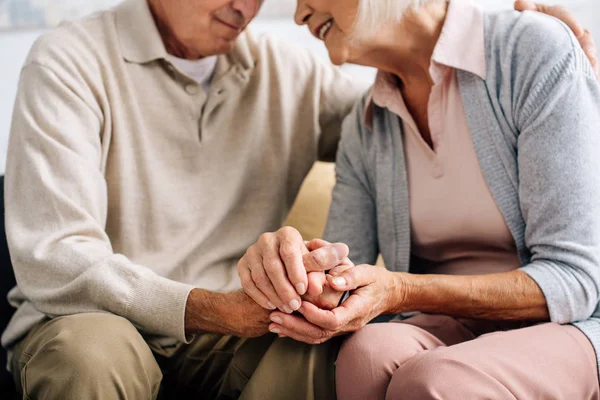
373	14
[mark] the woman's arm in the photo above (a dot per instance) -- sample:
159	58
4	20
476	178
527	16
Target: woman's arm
506	296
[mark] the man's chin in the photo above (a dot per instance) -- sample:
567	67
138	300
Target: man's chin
219	48
224	46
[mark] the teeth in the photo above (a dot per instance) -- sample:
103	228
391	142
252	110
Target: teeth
324	29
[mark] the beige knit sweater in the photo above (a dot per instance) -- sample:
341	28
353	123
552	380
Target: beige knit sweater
127	185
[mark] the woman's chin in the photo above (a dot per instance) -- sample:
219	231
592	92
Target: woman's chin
337	57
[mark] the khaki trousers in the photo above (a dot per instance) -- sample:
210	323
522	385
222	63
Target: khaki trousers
103	356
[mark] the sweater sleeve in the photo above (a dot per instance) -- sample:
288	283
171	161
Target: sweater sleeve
56	211
352	215
559	183
338	94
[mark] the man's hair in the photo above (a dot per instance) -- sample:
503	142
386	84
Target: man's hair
373	14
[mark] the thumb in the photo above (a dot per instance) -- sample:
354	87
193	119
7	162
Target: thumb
353	278
325	258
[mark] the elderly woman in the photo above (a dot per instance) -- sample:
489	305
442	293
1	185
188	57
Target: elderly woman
473	167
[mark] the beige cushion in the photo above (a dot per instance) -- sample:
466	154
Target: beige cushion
309	213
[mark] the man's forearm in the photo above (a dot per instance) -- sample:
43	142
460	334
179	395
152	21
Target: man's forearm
203	312
506	296
225	314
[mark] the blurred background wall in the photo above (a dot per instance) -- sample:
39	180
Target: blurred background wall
22	21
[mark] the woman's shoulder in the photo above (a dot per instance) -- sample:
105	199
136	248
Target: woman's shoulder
528	42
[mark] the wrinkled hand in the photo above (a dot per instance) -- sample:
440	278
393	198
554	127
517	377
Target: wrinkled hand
319	292
563	14
245	319
232	313
375	292
275	271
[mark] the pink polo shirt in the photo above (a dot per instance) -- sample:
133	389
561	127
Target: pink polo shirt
456	226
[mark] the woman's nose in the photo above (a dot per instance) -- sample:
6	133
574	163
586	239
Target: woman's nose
303	13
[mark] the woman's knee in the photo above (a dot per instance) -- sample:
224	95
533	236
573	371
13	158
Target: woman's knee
429	375
368	359
440	374
395	343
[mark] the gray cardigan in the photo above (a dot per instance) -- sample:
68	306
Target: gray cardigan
535	124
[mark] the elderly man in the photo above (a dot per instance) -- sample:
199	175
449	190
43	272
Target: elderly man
151	145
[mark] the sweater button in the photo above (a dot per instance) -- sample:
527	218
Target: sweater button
191	89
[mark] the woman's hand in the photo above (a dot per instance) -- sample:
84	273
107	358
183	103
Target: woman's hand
375	291
563	14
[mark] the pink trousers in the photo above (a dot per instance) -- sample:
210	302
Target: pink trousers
439	357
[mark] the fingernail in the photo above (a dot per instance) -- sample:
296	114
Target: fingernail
271	306
287	310
301	288
339	281
295	304
341	250
274	330
276	319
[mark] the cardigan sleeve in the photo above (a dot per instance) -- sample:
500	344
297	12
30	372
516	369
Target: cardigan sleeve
352	215
559	181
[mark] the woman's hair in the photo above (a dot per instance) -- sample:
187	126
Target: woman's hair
372	14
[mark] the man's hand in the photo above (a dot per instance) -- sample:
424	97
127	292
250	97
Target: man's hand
374	295
274	271
561	13
225	313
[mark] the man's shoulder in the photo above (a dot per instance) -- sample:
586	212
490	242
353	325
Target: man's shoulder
85	40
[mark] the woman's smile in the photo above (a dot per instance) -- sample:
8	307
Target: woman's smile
324	29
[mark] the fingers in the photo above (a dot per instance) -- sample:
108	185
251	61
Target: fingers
298	329
250	288
559	12
291	248
281	271
338	319
316	281
263	283
316	244
355	277
589	47
525	5
325	258
346	264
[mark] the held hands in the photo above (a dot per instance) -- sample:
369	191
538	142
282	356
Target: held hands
374	293
276	271
280	262
561	13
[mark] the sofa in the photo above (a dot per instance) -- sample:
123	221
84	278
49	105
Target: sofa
7	282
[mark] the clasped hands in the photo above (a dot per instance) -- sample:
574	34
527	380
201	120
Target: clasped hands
303	284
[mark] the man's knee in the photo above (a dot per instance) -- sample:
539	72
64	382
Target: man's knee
102	352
